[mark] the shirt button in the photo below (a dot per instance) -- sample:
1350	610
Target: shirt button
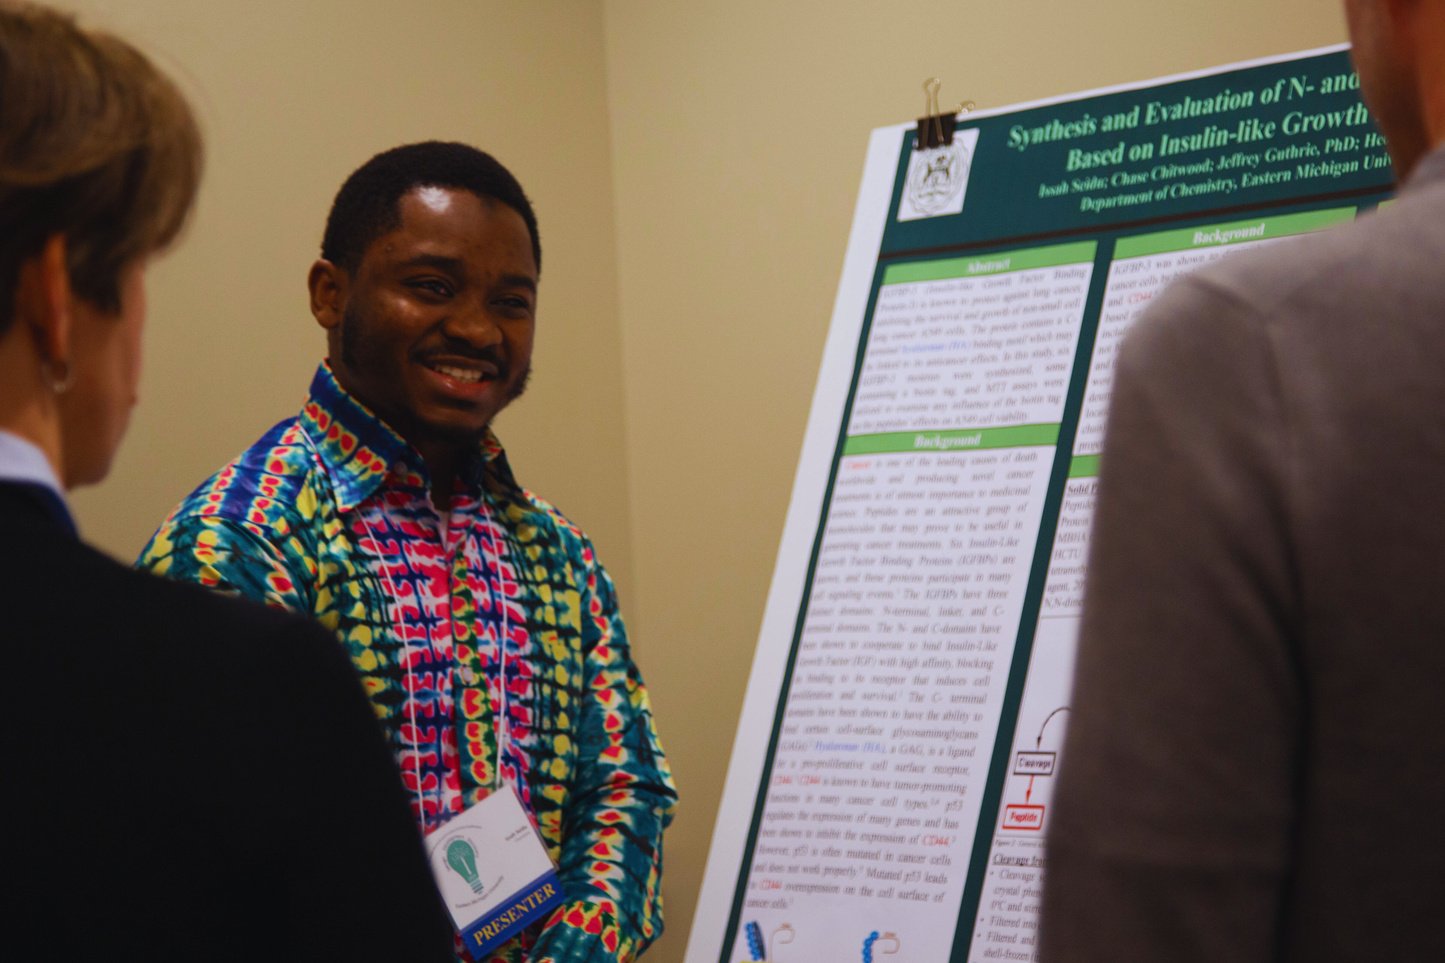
469	677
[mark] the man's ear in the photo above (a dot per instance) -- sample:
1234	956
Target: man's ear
1399	9
44	302
328	285
1399	17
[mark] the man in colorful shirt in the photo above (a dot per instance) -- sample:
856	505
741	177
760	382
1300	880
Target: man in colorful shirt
486	633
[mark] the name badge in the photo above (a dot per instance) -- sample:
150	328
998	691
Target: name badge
493	871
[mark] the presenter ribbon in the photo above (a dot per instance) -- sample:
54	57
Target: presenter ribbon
512	915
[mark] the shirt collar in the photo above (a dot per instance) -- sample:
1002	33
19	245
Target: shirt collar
22	460
360	451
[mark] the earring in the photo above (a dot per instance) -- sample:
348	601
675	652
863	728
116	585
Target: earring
60	385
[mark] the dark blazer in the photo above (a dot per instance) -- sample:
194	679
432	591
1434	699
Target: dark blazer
187	776
1252	770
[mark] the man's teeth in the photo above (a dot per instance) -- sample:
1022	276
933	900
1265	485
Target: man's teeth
459	374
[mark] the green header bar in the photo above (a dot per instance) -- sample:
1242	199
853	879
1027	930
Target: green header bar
982	265
969	439
1235	232
1084	466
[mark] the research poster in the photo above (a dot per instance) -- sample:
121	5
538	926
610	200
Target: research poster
890	786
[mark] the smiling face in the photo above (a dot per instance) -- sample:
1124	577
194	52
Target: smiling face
433	331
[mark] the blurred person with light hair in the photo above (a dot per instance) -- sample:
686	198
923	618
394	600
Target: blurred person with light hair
162	801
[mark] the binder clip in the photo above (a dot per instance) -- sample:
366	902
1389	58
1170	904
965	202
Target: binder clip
935	128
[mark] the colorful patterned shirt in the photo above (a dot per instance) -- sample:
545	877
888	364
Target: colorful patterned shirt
330	513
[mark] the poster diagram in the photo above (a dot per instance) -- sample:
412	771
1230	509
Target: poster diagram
1031	764
892	781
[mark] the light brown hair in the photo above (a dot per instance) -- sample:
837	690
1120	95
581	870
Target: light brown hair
96	144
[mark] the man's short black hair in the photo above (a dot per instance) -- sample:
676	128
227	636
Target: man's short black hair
366	207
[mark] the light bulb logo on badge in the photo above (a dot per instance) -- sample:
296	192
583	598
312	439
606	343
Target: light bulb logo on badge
460	855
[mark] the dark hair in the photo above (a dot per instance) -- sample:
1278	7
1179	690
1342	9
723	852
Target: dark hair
366	206
95	145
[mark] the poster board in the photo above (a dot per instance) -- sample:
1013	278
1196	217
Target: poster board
891	780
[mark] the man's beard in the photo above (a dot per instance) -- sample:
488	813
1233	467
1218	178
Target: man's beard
520	387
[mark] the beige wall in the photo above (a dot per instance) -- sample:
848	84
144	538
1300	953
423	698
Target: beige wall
294	95
694	166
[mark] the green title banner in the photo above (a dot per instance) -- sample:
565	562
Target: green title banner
1235	232
985	264
1275	132
973	439
1084	466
